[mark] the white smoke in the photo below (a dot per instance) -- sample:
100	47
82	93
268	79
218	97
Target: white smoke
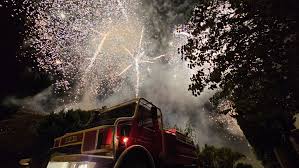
39	103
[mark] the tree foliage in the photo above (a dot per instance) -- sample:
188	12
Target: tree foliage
57	124
247	50
243	165
212	157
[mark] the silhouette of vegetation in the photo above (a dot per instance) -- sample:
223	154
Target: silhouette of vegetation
247	51
212	157
53	126
57	124
188	130
243	165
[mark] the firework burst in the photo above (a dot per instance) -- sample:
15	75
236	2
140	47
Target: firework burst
87	47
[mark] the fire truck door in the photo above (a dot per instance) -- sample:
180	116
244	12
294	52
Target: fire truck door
146	131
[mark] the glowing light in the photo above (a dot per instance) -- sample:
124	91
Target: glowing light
58	62
125	140
62	15
84	165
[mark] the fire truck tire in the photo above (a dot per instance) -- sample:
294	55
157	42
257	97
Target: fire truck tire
135	162
135	157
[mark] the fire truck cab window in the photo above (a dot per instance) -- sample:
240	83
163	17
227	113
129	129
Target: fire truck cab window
125	130
146	117
110	116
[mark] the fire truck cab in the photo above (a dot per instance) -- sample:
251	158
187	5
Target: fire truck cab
124	136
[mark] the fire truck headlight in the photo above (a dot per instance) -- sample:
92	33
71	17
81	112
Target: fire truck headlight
58	165
71	164
83	165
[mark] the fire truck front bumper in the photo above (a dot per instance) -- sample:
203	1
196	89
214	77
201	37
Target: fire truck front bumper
81	161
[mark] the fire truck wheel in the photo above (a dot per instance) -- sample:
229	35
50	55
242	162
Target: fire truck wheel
135	162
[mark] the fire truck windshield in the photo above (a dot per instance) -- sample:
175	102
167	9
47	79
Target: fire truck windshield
109	117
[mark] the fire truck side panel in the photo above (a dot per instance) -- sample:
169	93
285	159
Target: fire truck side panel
178	152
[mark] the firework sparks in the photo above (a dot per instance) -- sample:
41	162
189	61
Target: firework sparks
128	51
125	70
159	57
89	47
84	45
123	9
71	40
138	59
99	49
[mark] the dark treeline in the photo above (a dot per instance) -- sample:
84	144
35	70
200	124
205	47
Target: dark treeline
247	50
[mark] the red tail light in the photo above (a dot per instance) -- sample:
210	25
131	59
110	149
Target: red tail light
125	140
123	136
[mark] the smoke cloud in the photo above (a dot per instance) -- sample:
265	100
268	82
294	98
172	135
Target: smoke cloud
39	103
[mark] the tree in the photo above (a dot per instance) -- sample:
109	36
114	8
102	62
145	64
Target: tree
247	50
243	165
53	126
57	124
212	157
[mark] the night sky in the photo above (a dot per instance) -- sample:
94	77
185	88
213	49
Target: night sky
10	38
17	79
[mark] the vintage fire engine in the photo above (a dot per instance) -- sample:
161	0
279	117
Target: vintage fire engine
129	135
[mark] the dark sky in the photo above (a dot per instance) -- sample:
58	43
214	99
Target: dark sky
10	68
17	79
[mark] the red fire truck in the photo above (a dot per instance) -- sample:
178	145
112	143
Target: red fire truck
129	135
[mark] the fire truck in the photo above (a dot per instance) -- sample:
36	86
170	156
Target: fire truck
129	135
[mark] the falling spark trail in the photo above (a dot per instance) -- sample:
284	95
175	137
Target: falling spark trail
140	41
128	51
138	59
137	62
137	76
146	62
99	49
158	57
125	70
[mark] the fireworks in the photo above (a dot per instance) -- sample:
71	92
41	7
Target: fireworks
92	48
87	46
230	125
